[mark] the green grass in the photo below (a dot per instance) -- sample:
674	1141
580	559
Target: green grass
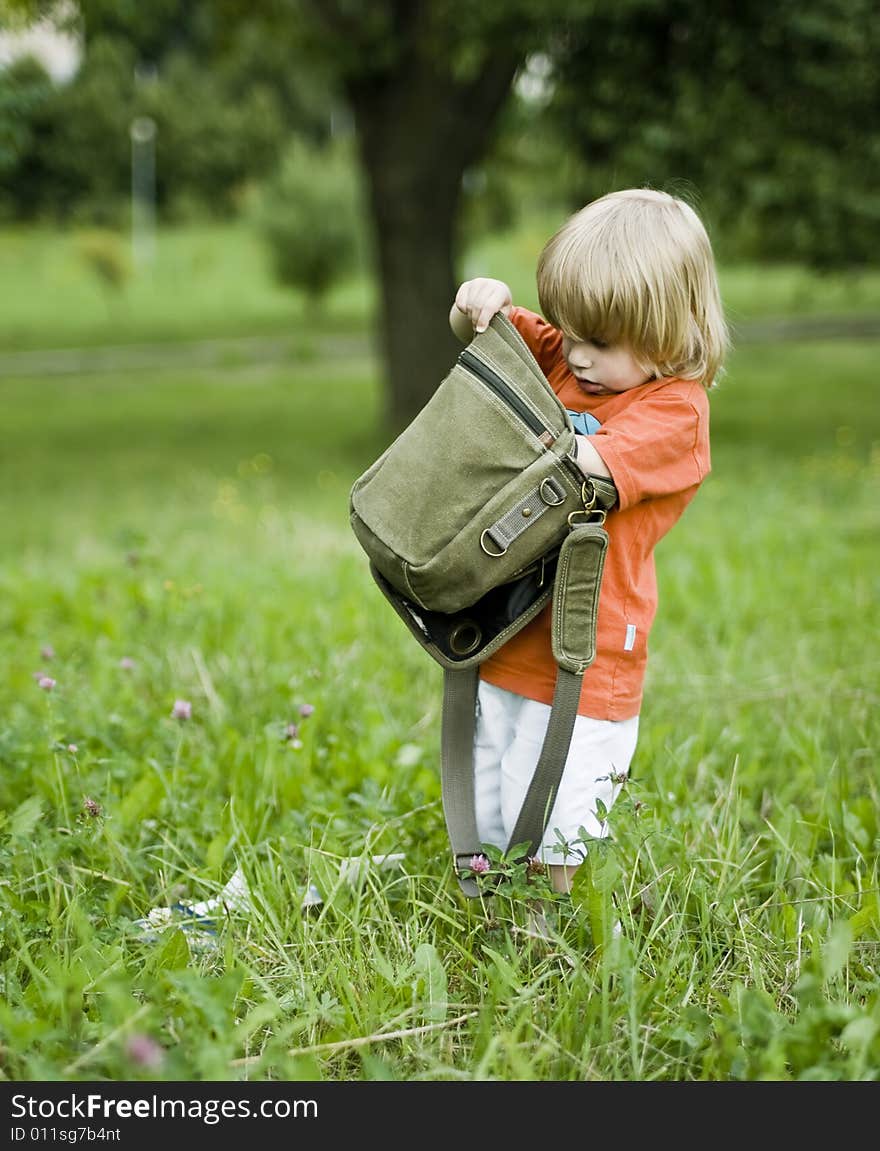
195	522
210	282
206	282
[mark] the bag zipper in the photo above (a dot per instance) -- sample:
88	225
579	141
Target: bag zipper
505	391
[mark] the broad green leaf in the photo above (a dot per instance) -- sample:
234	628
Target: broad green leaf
504	969
592	890
171	954
517	850
384	968
866	917
836	950
430	985
26	817
859	1035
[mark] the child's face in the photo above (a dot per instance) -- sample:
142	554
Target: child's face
603	369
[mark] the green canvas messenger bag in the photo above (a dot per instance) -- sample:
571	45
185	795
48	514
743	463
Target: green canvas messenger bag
474	519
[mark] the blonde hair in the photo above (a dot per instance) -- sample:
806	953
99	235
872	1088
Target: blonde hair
636	267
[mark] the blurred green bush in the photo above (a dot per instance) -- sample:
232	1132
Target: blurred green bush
106	255
310	217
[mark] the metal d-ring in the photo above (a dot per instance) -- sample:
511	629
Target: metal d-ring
588	496
494	555
548	487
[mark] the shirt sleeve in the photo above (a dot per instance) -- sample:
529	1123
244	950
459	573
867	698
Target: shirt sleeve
658	446
544	341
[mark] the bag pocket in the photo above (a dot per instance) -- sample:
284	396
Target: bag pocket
509	532
464	445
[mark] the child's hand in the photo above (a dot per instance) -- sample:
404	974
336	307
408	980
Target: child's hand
480	299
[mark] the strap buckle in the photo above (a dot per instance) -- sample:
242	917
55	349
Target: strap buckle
586	516
590	513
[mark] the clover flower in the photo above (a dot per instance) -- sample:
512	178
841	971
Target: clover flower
480	864
91	807
47	651
126	663
182	709
144	1051
46	682
305	710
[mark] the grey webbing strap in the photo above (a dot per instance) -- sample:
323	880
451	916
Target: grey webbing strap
578	576
457	759
538	802
457	769
573	637
521	516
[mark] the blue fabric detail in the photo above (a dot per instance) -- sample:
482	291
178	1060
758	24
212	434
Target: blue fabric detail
584	423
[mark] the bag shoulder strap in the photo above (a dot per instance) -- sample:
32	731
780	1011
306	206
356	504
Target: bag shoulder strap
575	610
457	776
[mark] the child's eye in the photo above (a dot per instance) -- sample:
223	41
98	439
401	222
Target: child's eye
588	339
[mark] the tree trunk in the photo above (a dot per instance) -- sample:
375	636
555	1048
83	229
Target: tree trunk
414	209
419	129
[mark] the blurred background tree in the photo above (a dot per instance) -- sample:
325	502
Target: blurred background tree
767	113
426	82
463	118
26	94
309	215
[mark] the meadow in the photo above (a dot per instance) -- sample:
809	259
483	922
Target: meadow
176	533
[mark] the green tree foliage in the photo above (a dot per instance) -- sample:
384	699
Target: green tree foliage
222	111
212	140
25	92
86	153
71	153
767	113
151	30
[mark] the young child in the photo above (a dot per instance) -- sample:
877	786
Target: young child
634	337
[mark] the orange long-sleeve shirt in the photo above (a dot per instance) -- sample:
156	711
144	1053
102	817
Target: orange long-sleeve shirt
654	440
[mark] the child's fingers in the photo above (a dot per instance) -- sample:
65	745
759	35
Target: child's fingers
461	298
480	300
465	304
488	310
482	321
488	302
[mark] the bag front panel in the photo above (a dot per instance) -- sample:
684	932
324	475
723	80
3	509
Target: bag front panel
474	457
417	496
480	556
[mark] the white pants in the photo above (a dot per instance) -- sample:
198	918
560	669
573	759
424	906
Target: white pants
509	734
